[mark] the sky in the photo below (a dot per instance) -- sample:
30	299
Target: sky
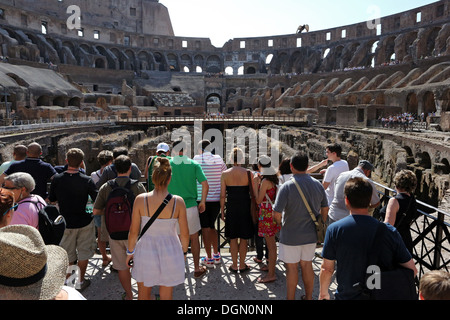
228	19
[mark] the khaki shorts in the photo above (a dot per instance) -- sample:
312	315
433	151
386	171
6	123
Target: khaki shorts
80	243
293	254
193	219
119	253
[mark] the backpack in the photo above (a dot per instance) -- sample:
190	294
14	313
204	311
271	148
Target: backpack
51	223
118	210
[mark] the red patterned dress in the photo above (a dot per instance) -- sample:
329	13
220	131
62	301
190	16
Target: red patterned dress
267	227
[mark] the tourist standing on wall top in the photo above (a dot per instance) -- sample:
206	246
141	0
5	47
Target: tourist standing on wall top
185	175
213	166
298	236
235	191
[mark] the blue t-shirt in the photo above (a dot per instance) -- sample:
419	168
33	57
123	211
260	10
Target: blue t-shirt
348	242
40	171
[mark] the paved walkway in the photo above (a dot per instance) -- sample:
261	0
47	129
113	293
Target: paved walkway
217	284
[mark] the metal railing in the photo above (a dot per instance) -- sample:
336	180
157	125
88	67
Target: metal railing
221	118
430	233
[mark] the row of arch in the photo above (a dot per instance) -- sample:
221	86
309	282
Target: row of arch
366	53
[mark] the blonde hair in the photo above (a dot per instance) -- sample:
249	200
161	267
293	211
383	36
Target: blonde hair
162	171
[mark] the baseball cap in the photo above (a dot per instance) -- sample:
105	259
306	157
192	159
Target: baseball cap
364	164
162	147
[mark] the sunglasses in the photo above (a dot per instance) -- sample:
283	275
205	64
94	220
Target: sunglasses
14	207
10	188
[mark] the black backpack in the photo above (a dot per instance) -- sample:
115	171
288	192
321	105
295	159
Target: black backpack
51	223
118	210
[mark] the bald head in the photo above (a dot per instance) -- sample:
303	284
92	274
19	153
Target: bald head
34	150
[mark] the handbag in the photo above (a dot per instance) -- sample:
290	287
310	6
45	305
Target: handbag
397	283
153	218
254	207
321	227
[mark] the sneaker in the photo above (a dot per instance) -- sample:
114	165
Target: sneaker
217	258
209	263
86	283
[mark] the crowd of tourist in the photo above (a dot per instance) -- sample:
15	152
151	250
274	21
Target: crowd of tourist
402	121
183	197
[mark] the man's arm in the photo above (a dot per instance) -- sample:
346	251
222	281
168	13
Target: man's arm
410	265
317	166
326	273
205	189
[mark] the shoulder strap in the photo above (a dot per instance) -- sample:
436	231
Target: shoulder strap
375	248
153	218
313	217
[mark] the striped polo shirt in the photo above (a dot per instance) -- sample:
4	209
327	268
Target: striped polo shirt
213	166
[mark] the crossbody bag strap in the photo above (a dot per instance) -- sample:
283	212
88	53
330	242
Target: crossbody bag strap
313	217
154	216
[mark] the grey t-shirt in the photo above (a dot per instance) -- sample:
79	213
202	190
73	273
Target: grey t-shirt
297	226
338	209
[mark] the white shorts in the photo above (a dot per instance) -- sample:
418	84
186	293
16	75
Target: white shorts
293	254
193	219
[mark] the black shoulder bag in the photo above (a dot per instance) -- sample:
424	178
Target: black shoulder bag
394	284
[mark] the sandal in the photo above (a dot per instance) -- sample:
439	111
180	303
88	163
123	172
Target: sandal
246	268
199	274
232	270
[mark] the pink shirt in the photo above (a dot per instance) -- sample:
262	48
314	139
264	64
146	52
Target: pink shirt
27	212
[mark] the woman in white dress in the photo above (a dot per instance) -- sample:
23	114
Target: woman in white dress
158	257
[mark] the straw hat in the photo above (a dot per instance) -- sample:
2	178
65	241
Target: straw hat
29	269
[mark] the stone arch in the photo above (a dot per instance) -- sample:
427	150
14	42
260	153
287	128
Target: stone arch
131	60
119	58
100	63
279	63
144	60
310	103
186	62
446	166
250	70
366	99
199	61
389	48
173	62
429	104
229	71
43	101
75	101
212	107
412	103
160	62
431	41
213	64
59	101
424	160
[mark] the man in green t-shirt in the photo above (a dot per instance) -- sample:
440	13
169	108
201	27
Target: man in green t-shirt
162	150
185	174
